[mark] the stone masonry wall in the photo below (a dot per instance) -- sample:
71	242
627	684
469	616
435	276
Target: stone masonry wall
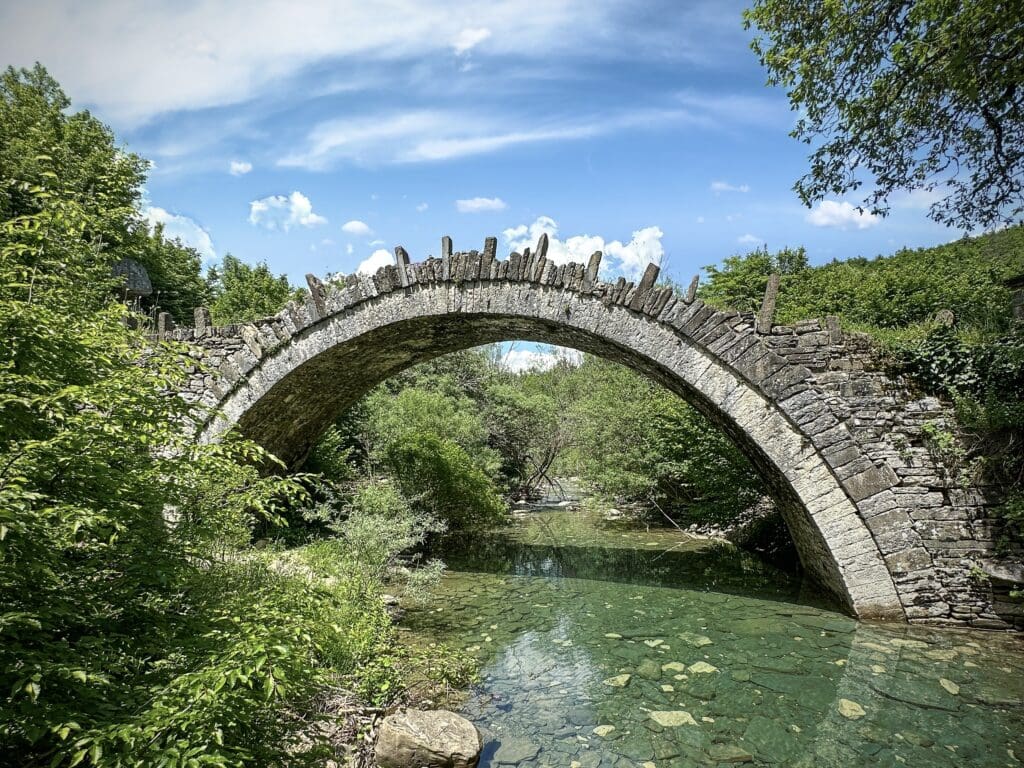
954	551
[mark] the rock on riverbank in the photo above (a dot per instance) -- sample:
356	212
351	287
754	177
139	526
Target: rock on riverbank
428	738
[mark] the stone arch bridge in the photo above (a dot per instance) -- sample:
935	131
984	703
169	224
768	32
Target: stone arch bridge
875	519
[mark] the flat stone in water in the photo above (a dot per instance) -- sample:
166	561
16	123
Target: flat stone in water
851	709
619	681
702	668
729	753
671	719
649	670
514	750
770	741
604	730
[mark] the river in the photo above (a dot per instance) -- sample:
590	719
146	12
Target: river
605	643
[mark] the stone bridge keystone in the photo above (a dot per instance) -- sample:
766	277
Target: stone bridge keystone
875	518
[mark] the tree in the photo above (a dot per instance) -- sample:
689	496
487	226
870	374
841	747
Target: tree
741	280
39	140
174	269
242	292
913	94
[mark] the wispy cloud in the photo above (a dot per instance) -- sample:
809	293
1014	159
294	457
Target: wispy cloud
284	212
433	135
239	167
469	38
749	239
480	205
206	54
719	187
843	215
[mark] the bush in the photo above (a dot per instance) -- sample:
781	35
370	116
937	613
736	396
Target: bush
441	479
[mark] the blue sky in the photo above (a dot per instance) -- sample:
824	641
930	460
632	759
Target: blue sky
315	135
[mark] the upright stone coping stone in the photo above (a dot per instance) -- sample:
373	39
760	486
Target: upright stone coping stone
427	739
136	279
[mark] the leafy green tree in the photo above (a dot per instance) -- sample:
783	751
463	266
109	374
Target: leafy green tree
441	479
135	629
529	426
242	292
741	280
637	442
174	269
905	95
39	140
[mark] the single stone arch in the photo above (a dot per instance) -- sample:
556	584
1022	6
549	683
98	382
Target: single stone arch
283	380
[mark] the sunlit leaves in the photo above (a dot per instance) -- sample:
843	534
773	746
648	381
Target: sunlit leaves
914	95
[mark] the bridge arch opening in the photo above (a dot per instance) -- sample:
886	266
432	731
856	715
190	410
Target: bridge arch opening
295	390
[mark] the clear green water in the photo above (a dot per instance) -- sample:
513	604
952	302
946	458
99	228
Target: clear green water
696	654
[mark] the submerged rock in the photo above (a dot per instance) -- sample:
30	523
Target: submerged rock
649	669
619	681
672	719
851	709
514	750
429	738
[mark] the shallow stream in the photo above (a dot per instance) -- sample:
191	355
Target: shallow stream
604	643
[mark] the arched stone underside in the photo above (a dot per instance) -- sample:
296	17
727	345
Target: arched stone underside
281	381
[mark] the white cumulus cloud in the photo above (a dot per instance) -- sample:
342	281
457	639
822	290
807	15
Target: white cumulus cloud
480	204
628	259
844	215
749	239
469	38
284	212
422	207
723	186
239	167
356	227
183	228
376	260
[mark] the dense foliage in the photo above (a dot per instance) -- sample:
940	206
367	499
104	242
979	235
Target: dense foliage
241	292
136	626
905	95
458	432
901	292
636	441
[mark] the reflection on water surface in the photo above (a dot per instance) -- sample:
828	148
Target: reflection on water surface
605	644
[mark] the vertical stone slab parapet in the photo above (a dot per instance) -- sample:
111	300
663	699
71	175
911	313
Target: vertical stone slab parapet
767	313
318	293
590	275
402	263
202	321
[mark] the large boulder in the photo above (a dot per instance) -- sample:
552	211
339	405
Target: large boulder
427	739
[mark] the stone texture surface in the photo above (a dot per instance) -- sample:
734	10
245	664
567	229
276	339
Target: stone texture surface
427	739
876	518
